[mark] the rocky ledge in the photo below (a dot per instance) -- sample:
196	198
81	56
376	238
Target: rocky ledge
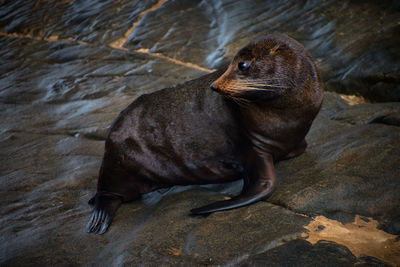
68	68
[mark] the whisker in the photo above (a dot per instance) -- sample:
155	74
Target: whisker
235	88
257	82
264	84
240	101
261	81
260	88
239	88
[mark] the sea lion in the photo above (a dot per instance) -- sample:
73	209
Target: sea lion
265	103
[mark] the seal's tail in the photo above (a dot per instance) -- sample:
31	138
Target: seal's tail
105	205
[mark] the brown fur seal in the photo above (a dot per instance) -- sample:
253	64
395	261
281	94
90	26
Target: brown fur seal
188	134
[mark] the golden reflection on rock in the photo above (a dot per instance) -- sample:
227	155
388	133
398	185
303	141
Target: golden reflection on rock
361	237
354	99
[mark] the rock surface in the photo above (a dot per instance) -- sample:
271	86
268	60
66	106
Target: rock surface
68	68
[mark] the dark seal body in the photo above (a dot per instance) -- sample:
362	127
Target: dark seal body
188	134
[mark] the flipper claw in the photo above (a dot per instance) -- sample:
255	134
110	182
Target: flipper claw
104	209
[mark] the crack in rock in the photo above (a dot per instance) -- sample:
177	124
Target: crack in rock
120	42
50	39
174	60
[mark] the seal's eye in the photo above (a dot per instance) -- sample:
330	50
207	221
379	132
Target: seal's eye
243	66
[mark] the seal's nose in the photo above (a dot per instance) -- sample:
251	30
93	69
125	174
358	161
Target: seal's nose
214	88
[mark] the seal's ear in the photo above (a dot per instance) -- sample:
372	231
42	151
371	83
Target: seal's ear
276	49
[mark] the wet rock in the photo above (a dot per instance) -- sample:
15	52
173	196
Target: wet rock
354	55
82	92
302	253
260	227
64	78
389	119
350	166
88	21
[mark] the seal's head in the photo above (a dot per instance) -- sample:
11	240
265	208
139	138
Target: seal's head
269	67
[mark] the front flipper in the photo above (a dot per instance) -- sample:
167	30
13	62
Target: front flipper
105	205
258	183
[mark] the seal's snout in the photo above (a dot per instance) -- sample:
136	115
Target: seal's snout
214	88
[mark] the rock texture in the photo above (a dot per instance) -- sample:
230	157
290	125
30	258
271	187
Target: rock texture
68	68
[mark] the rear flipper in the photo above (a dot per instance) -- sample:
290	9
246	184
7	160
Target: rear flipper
244	199
258	184
105	205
